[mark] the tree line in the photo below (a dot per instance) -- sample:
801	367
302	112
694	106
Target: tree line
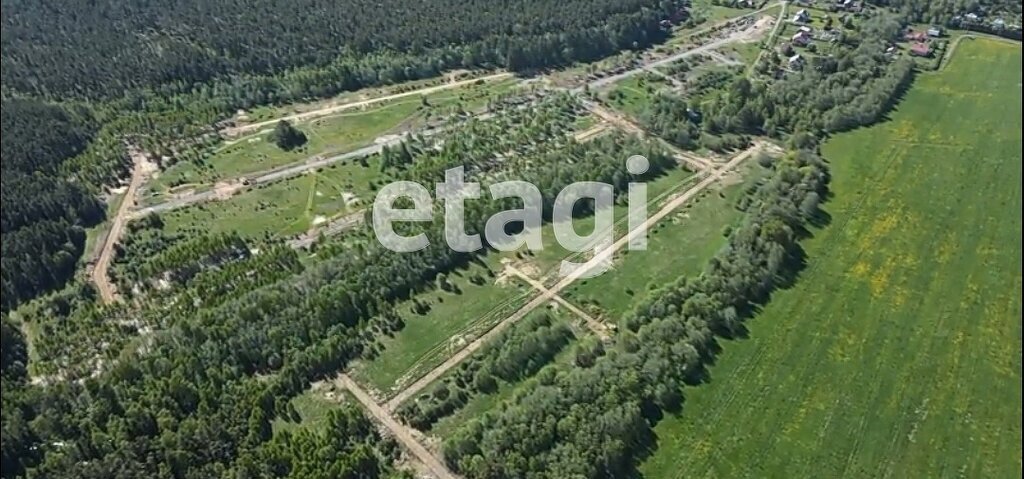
595	420
517	353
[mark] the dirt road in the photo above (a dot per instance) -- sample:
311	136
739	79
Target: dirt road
600	257
740	35
100	272
596	326
239	130
620	120
401	433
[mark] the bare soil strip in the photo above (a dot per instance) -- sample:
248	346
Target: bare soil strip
434	465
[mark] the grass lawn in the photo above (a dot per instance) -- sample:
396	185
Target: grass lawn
898	351
454	319
344	131
286	207
634	95
545	263
313	405
680	244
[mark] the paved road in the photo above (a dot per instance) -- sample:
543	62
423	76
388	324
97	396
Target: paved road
602	256
401	433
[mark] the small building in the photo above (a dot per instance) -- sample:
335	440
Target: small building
972	17
920	50
913	36
802	16
801	39
806	29
935	32
796	62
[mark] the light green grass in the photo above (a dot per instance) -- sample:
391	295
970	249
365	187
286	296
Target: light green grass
286	207
453	321
544	263
635	94
313	407
345	131
680	244
898	352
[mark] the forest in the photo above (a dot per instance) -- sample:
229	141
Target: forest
43	213
100	52
199	401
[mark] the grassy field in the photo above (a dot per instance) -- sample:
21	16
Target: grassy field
679	244
286	207
453	320
344	131
313	405
545	262
898	352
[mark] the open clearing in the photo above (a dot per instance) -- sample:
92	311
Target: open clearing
453	320
678	245
286	207
898	352
339	132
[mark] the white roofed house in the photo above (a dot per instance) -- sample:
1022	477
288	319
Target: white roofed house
796	62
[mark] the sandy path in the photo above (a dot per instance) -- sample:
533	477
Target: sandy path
100	276
239	130
596	326
600	257
401	433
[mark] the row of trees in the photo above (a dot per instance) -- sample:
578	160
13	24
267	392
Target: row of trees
515	354
596	421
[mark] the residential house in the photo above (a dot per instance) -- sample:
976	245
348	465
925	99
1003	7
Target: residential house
920	50
802	16
935	32
801	39
796	62
972	17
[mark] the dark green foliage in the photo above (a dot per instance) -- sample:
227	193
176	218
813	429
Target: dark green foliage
348	447
42	212
108	48
286	136
594	421
197	400
853	88
515	354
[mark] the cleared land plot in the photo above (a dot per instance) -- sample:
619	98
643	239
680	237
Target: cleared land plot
312	407
453	320
680	244
898	351
544	263
344	131
286	207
